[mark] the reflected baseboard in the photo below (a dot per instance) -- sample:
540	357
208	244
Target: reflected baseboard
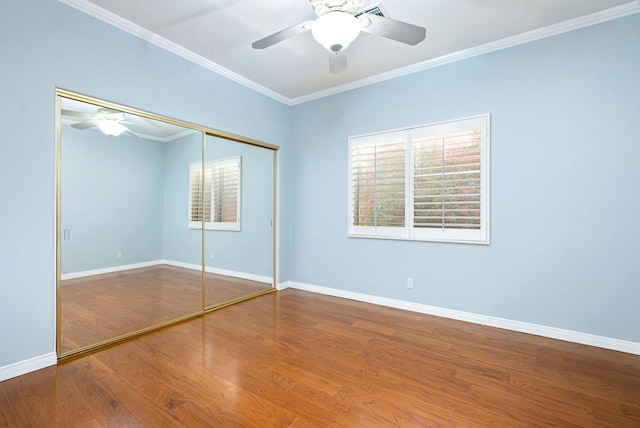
209	269
218	271
110	269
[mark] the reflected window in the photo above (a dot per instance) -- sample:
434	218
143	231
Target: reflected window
214	196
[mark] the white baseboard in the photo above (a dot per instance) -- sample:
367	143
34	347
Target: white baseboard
283	285
109	269
209	269
522	327
27	366
235	274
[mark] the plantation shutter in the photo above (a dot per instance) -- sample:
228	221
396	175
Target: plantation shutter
378	184
207	194
199	194
216	201
426	183
447	180
226	178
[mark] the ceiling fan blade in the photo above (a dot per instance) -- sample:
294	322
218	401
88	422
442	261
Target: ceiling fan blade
139	128
285	34
107	111
130	132
337	62
154	123
72	113
84	125
391	29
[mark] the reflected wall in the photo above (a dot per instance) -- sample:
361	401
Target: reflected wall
112	200
239	238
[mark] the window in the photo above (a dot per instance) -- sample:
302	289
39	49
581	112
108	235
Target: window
427	183
214	197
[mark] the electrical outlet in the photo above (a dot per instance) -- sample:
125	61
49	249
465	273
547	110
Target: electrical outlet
119	255
409	282
211	256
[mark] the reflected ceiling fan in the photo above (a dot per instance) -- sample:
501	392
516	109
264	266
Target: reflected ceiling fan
111	122
339	22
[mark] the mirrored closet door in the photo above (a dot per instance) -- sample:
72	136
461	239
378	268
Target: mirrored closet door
239	220
124	265
158	220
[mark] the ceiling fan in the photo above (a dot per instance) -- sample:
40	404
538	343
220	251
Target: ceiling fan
111	122
338	23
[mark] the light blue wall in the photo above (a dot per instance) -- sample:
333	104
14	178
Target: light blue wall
181	244
565	134
249	250
45	44
111	199
246	251
131	195
565	146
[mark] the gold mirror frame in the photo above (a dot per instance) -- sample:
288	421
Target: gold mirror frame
61	93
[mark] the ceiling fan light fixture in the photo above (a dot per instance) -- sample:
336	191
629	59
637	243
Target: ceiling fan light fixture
111	127
320	7
336	30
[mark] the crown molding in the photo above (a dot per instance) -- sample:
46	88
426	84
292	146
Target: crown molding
519	39
110	18
91	9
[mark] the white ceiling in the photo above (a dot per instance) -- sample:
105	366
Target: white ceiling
218	34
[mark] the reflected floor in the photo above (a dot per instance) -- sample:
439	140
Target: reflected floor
102	307
223	288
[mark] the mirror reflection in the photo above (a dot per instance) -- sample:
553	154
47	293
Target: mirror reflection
238	215
128	261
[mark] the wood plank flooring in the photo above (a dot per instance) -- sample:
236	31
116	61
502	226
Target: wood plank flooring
222	288
296	359
101	307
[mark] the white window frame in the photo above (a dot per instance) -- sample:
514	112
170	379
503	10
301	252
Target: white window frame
211	165
408	232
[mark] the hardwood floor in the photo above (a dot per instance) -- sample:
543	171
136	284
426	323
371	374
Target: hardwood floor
298	359
101	307
221	288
